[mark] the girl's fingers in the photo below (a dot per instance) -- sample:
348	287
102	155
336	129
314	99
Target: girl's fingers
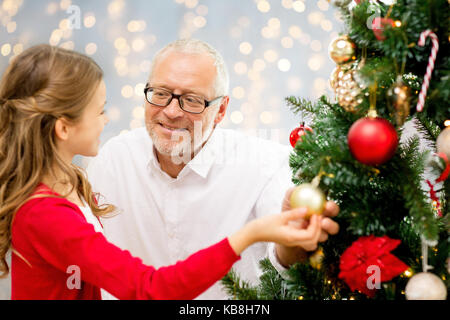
295	214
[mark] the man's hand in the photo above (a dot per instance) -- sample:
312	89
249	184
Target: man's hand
290	255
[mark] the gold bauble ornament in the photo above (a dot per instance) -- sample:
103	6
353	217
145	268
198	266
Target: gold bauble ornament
425	286
399	96
315	260
346	87
342	50
309	196
443	142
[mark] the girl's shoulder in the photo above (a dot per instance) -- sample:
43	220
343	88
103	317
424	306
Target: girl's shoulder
43	203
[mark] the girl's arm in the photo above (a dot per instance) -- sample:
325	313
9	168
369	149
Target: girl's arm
61	236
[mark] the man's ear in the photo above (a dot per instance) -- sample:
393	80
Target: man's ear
222	110
62	129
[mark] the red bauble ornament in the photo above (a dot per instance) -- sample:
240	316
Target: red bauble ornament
378	26
297	134
372	141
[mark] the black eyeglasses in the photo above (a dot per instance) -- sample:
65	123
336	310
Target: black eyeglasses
188	102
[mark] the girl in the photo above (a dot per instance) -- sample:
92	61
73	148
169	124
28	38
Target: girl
51	109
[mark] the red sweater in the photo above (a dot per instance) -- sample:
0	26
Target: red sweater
52	234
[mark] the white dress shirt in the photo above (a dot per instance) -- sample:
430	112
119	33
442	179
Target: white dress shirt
162	220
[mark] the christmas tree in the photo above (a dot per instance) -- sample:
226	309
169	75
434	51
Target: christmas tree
393	66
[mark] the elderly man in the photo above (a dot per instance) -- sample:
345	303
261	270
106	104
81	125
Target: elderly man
181	183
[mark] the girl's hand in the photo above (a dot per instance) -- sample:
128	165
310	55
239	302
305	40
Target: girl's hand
279	228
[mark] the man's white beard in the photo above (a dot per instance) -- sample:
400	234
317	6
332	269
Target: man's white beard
185	150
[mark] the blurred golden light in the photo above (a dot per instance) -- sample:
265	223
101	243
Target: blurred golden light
315	17
398	23
89	20
263	6
267	33
323	5
295	32
120	43
240	67
127	91
64	24
113	114
115	8
18	49
139	89
315	62
447	123
6	49
266	117
52	8
245	48
274	23
11	26
199	22
287	4
91	48
259	65
120	62
69	45
56	37
287	42
326	25
139	113
270	55
253	75
65	4
138	44
298	6
238	92
284	65
236	117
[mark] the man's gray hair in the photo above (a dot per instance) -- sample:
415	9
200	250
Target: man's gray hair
195	46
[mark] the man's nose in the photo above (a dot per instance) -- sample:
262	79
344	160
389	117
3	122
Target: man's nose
173	110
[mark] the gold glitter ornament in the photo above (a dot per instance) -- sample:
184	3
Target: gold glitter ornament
346	87
315	260
399	96
342	50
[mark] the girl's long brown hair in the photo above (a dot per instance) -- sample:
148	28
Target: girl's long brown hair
41	85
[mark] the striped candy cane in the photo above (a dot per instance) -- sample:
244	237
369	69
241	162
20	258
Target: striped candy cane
430	67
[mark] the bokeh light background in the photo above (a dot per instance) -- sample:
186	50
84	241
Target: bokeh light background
273	49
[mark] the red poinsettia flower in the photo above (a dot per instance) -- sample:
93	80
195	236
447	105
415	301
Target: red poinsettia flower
365	255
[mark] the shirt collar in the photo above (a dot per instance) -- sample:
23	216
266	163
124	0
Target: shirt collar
204	160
